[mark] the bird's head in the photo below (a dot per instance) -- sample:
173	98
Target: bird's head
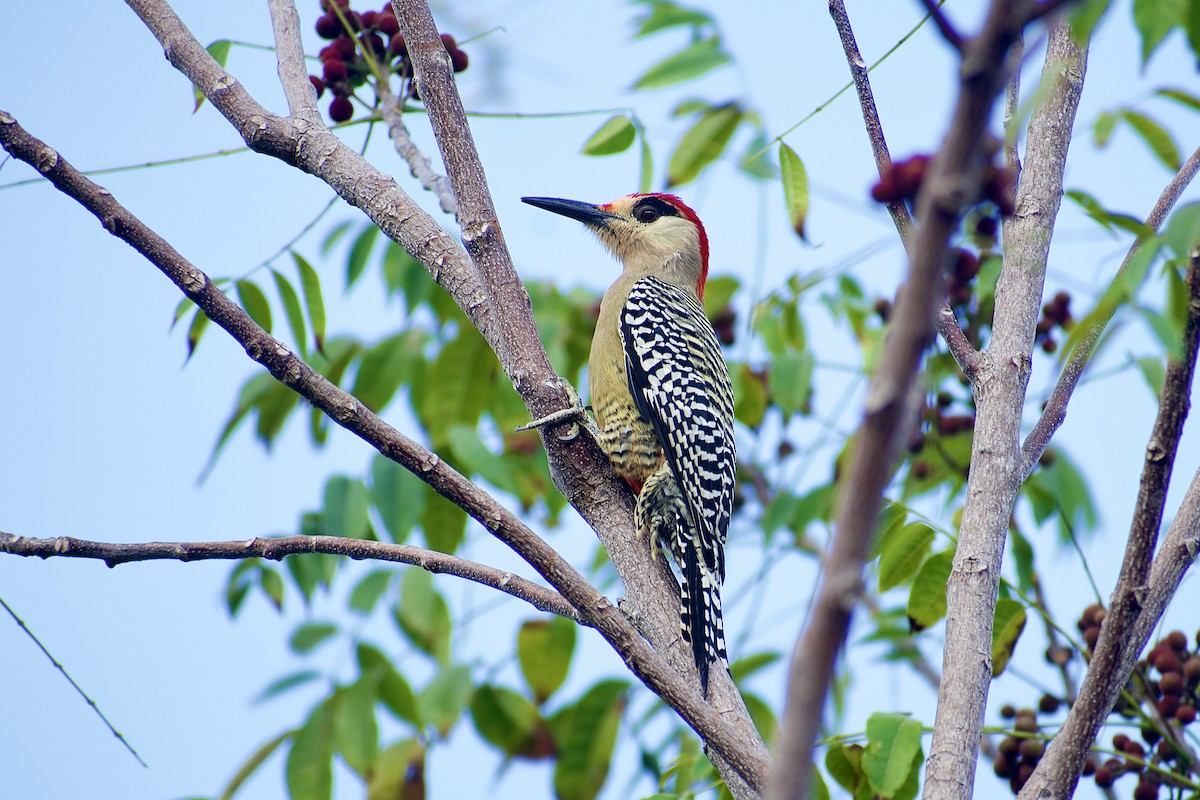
651	234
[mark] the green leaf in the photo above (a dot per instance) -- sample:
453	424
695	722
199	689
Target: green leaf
614	136
347	508
844	764
795	187
892	742
762	716
334	236
398	495
1103	127
391	687
1154	19
399	772
458	386
444	525
718	291
310	635
750	396
423	615
251	765
385	367
310	284
901	554
443	699
1084	18
927	599
293	311
790	381
195	331
287	683
367	592
239	582
474	458
255	303
544	650
1156	137
1183	231
743	668
355	730
272	586
585	737
1023	559
504	718
360	251
1185	99
1153	372
1010	621
219	50
310	761
665	15
691	62
703	143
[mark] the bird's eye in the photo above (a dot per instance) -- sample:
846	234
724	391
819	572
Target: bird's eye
647	214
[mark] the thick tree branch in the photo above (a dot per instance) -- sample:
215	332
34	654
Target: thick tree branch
289	57
999	390
276	549
1056	407
946	323
1116	649
951	186
651	594
594	609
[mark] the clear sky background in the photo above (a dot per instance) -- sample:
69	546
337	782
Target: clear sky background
103	431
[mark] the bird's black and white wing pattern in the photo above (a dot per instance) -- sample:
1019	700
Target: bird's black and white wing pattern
680	383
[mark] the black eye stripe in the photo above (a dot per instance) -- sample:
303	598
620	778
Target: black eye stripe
649	209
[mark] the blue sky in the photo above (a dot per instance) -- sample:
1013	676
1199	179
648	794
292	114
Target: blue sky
103	431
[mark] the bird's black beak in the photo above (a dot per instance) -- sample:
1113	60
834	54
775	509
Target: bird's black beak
586	213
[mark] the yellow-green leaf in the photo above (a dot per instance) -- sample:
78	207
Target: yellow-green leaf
1156	137
795	187
310	284
293	311
310	761
892	742
219	50
544	650
255	303
1010	621
614	136
703	143
902	552
691	62
927	599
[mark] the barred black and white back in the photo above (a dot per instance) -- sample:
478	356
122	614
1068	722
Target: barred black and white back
680	383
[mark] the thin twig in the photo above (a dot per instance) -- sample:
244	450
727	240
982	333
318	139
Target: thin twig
418	163
65	674
966	356
352	415
277	549
1056	406
947	29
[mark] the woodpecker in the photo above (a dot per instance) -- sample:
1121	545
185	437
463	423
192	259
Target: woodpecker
662	398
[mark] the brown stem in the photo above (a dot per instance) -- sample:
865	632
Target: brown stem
276	549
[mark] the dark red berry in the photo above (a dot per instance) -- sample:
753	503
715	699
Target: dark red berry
1168	705
328	26
396	47
370	19
985	227
1165	750
1150	734
344	47
1119	741
1089	767
317	84
966	266
1032	750
1090	636
921	470
448	42
334	70
386	23
459	60
1104	777
1048	704
1172	684
1145	790
1191	669
1167	661
885	191
1134	749
1185	715
1176	640
341	109
1003	767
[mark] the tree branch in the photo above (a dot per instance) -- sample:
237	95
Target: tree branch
1056	407
1058	773
289	57
948	31
999	390
418	164
966	356
594	609
276	549
951	186
585	475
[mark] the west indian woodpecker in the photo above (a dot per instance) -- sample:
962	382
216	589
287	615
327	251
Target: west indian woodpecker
661	395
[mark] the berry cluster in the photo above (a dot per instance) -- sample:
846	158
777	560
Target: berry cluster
357	49
1020	752
902	182
1055	314
938	421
